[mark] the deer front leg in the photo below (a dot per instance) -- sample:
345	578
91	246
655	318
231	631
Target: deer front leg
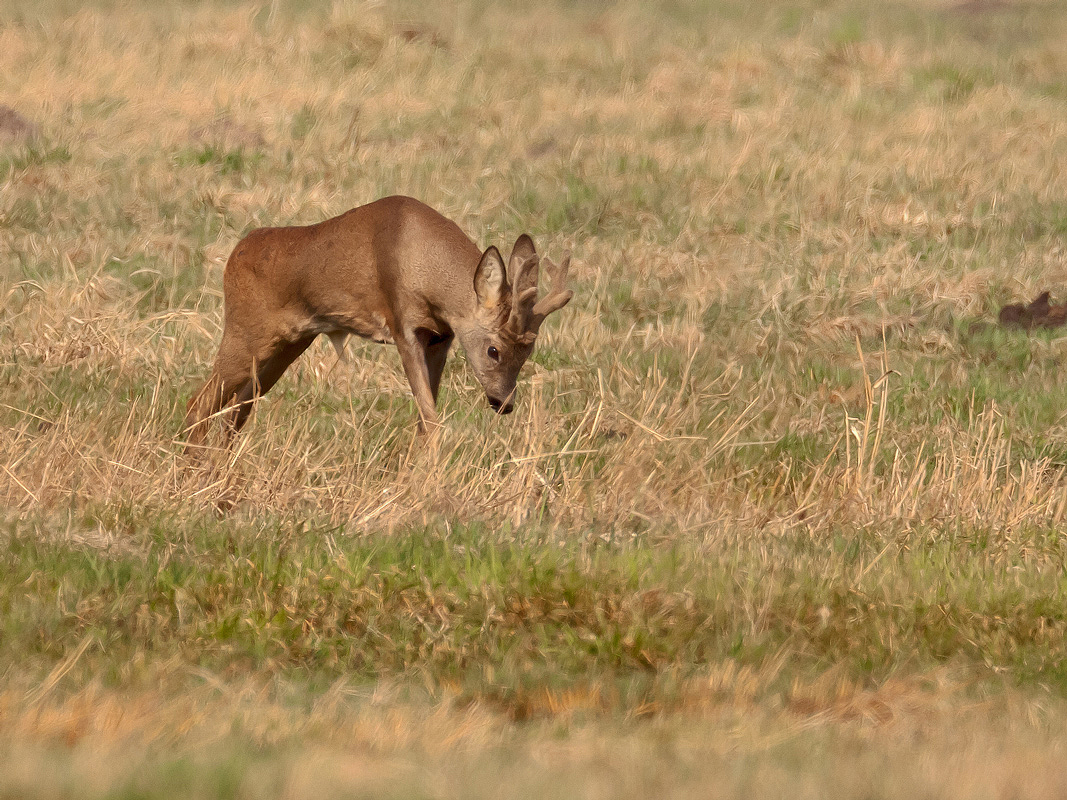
413	347
436	353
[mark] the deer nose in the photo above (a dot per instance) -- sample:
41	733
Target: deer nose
500	407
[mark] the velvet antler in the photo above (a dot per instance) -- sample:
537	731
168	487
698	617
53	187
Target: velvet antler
557	296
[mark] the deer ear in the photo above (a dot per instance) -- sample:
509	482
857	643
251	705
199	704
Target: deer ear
490	282
522	266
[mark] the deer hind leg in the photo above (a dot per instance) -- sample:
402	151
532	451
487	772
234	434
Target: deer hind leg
237	379
231	372
268	371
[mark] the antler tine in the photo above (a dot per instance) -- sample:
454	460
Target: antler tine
521	280
526	298
523	294
559	274
557	296
521	271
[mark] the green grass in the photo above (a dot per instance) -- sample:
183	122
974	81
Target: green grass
503	614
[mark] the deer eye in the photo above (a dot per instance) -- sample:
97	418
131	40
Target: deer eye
493	353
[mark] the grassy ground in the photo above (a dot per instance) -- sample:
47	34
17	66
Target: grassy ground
780	511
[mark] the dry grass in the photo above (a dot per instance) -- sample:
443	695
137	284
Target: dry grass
776	489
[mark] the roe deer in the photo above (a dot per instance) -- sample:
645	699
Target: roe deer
393	271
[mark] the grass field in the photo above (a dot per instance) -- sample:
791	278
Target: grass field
781	509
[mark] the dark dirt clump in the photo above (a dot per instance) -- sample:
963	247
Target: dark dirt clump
14	127
1039	314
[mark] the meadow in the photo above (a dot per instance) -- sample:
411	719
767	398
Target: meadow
780	511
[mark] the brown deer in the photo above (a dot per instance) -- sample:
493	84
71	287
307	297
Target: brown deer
394	271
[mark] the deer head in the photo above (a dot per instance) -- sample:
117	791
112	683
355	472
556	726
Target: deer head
508	316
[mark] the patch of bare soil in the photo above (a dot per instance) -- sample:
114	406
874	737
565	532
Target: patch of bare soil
16	128
979	6
414	32
229	134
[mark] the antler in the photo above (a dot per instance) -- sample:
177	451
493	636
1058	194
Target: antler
557	296
523	294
